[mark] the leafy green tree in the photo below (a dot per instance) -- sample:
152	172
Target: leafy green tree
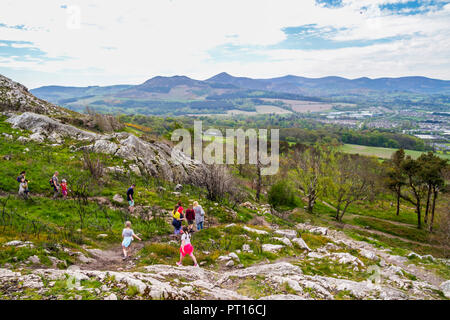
395	178
432	168
415	181
311	171
353	179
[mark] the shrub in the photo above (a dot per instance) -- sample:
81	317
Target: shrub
281	193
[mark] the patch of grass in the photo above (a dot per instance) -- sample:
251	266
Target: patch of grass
314	241
255	288
132	291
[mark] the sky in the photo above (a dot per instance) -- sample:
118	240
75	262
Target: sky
106	42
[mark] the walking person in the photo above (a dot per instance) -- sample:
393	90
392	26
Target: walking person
130	198
190	217
23	189
54	183
199	215
186	246
176	222
128	235
64	188
21	176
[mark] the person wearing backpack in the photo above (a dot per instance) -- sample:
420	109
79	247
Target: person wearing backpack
190	217
23	189
186	246
199	215
21	176
54	183
176	222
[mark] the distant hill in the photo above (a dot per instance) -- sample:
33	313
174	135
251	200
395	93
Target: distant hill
179	95
311	86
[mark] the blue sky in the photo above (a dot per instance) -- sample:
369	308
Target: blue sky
89	42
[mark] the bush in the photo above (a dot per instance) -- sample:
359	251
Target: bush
281	193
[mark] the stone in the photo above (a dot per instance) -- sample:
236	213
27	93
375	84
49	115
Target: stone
234	256
13	243
369	254
112	296
272	247
229	263
102	235
285	241
445	288
34	259
118	198
414	255
291	234
178	187
255	230
301	243
224	258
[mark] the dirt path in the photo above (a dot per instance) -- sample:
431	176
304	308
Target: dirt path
348	214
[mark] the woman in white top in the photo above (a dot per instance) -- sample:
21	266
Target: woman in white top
186	246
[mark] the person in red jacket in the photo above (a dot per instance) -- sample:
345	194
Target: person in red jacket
190	217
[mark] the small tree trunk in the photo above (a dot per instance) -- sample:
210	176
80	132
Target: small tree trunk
433	205
419	224
258	184
398	200
344	210
425	218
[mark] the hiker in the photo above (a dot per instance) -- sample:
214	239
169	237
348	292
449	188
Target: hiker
180	210
190	217
21	176
176	222
186	246
128	235
54	183
64	188
199	215
23	188
130	198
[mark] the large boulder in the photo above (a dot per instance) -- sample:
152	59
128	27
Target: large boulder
445	287
156	159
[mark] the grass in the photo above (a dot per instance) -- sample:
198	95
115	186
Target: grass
384	153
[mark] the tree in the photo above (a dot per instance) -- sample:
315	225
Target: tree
432	173
395	178
353	179
310	171
415	181
216	179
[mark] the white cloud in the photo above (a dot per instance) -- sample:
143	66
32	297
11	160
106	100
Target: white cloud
167	37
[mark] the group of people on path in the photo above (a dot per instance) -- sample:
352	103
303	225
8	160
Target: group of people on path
194	214
24	191
54	182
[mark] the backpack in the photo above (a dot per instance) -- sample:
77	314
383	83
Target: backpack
19	179
52	184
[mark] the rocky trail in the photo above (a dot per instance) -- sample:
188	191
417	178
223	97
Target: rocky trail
280	279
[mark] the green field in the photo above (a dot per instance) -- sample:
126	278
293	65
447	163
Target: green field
384	153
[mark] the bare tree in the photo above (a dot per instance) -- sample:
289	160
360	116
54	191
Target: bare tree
216	179
95	166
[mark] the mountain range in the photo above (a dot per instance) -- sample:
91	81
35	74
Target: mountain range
184	95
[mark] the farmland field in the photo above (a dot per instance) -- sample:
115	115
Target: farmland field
384	153
303	106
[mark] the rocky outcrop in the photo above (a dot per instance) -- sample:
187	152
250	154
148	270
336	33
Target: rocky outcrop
157	159
15	97
170	282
